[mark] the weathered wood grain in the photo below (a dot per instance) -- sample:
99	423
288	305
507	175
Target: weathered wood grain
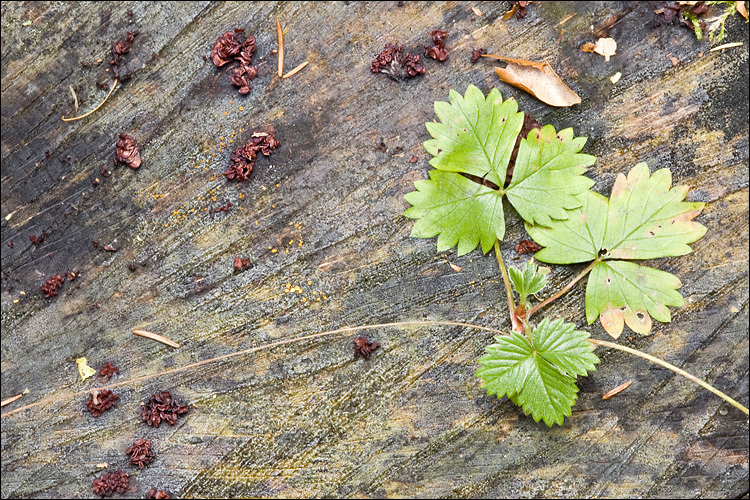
324	214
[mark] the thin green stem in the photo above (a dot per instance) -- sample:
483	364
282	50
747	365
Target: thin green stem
672	367
562	291
508	289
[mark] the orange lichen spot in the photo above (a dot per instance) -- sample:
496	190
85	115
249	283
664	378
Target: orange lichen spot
212	178
309	282
277	185
273	250
286	251
213	198
273	206
256	222
175	212
304	299
231	141
225	113
241	108
290	242
213	154
241	196
231	102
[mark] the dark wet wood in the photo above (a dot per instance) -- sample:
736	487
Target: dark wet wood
324	215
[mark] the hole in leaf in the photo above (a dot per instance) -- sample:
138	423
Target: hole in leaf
640	316
602	252
651	233
608	280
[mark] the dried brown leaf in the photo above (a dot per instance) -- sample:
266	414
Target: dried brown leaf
742	9
538	79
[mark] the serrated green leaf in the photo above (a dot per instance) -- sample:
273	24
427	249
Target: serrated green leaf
645	218
476	136
577	239
529	280
458	210
619	291
539	375
548	175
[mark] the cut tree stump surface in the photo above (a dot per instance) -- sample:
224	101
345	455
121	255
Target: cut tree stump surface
320	221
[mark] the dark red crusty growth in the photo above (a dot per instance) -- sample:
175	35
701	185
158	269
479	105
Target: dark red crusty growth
397	64
234	46
527	246
141	453
127	151
110	482
362	347
160	407
242	160
101	402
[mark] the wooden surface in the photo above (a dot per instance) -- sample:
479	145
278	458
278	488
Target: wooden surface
308	419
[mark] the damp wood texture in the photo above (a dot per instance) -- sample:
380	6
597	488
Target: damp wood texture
320	222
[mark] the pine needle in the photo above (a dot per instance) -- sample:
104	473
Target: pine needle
99	106
280	35
296	70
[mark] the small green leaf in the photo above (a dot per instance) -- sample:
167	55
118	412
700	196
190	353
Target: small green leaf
528	281
645	218
539	375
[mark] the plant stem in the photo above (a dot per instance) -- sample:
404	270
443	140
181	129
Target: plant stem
344	330
562	290
672	367
508	289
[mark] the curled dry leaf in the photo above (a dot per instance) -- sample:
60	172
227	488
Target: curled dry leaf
538	79
742	10
606	47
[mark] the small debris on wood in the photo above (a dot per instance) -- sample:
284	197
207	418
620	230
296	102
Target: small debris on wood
101	401
75	97
296	70
413	159
527	246
476	11
11	399
84	370
538	79
38	240
141	453
606	47
162	407
396	63
242	160
617	390
157	494
588	47
363	347
108	370
72	275
240	263
615	78
437	51
519	9
156	337
127	151
280	36
476	54
455	267
726	45
111	482
110	248
52	286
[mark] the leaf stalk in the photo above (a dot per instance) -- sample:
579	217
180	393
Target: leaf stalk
563	290
517	326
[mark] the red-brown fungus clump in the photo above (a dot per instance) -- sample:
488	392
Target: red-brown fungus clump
242	160
235	47
397	64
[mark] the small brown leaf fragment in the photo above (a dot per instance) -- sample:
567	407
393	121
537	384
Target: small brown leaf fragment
510	13
455	267
527	246
362	347
157	494
617	390
606	47
478	12
742	10
240	263
414	159
110	248
674	61
538	79
588	47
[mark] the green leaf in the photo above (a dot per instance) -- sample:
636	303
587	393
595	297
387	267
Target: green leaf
528	281
461	211
539	375
645	218
476	136
548	175
620	291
